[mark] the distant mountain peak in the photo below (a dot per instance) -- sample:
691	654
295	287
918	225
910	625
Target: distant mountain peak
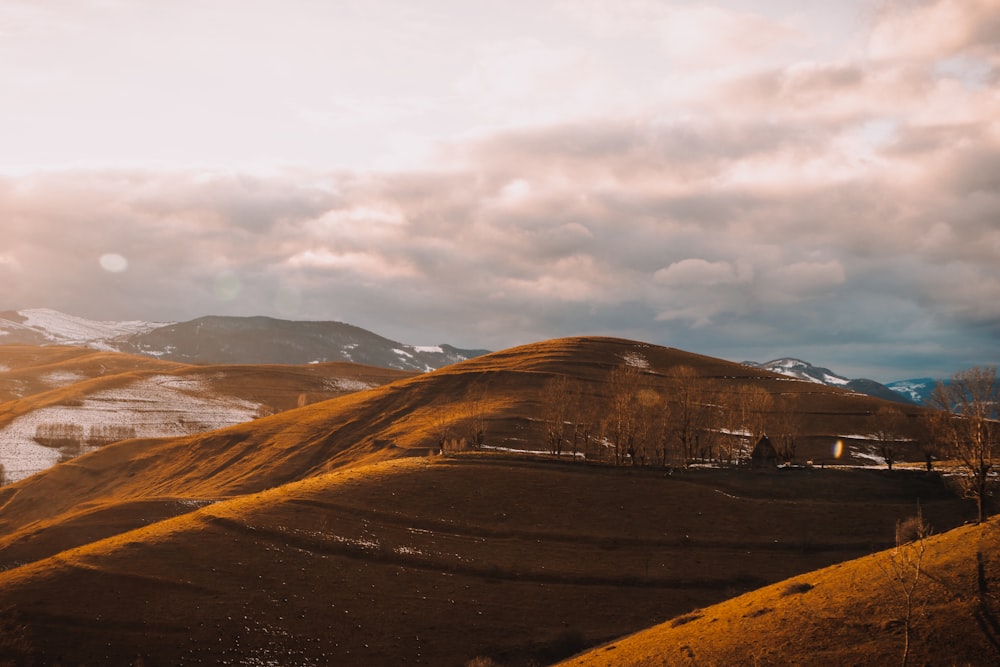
803	370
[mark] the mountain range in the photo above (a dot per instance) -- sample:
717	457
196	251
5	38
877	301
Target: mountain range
266	340
913	392
228	340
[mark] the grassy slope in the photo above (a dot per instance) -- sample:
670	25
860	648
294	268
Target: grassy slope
395	420
27	386
852	614
551	554
28	370
438	560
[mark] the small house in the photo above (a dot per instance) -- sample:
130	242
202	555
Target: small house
764	455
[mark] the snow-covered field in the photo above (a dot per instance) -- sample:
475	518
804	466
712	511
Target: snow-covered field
70	329
159	406
62	378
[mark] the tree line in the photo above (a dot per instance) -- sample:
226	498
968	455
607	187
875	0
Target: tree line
64	435
682	418
686	419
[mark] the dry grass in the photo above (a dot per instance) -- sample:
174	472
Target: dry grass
326	535
39	377
471	556
850	615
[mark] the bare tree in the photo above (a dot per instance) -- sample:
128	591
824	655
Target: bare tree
690	407
441	426
927	442
583	416
59	434
476	409
903	567
568	416
648	413
620	421
746	412
556	409
662	433
784	427
886	428
967	427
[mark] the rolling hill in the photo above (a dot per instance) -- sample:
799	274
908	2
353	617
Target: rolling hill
335	533
847	614
59	402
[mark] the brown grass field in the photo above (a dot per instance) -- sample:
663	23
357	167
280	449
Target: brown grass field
847	614
36	377
331	535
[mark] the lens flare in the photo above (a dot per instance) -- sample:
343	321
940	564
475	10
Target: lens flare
838	449
113	262
227	286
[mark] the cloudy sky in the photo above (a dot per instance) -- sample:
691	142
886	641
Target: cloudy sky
746	179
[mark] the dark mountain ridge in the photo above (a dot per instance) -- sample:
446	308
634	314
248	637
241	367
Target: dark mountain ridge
228	340
267	340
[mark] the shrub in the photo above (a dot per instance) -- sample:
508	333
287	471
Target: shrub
758	612
685	618
104	434
58	434
912	529
796	588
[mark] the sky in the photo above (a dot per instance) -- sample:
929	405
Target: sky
746	179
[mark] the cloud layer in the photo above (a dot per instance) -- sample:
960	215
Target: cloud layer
844	209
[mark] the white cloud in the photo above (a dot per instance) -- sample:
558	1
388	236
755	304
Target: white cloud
667	167
369	266
701	272
932	29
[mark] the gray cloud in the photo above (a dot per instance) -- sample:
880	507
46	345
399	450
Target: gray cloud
844	212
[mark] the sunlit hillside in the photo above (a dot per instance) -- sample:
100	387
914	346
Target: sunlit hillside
436	560
849	614
64	402
338	533
27	369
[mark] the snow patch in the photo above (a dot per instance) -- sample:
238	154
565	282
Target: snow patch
865	456
62	378
636	360
432	349
61	327
159	406
347	384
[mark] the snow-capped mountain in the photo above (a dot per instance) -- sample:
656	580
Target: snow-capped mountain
803	370
43	326
918	390
228	340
